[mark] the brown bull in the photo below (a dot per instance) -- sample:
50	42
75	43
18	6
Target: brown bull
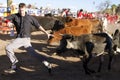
85	22
69	30
77	22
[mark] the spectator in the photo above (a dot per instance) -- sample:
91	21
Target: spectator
64	13
80	14
13	9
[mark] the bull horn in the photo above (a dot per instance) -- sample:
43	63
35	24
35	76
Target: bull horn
61	34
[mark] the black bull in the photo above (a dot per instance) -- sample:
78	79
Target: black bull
91	44
49	23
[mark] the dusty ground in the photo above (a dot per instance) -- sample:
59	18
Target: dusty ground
65	67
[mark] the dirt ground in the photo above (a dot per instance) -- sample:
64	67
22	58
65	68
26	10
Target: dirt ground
67	66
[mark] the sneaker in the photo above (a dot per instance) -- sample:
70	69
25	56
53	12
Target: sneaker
10	71
48	66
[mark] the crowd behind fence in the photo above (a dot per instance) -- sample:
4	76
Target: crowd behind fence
79	14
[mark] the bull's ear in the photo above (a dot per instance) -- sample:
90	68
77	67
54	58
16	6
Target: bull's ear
51	36
61	34
116	34
67	36
69	19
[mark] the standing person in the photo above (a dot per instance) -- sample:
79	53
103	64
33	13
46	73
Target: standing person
23	23
13	9
80	14
64	13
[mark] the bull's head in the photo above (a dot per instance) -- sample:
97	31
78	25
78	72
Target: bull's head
116	40
55	39
58	25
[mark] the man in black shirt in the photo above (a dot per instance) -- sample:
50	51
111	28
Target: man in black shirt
23	24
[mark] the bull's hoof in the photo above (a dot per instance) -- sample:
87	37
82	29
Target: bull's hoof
92	71
54	53
87	73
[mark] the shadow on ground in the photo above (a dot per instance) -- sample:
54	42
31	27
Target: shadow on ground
65	67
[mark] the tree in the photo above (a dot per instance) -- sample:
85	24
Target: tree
103	5
9	2
113	8
118	9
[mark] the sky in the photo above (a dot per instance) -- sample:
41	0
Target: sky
89	5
